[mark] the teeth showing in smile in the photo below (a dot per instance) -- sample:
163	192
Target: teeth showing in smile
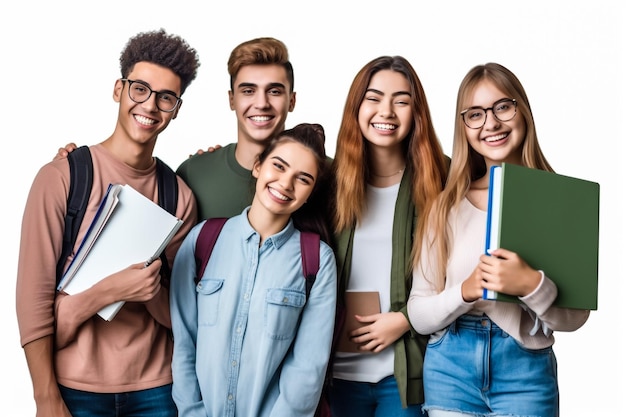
496	138
260	118
384	126
278	195
144	120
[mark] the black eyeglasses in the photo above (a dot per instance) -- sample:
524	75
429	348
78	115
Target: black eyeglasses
503	110
140	92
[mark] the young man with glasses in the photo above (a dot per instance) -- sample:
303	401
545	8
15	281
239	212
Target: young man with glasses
80	364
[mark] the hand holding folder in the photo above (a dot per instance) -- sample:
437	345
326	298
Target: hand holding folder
552	222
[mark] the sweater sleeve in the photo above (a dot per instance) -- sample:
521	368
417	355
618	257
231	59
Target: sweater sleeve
40	246
430	311
554	318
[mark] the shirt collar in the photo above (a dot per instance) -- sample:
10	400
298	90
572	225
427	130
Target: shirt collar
277	240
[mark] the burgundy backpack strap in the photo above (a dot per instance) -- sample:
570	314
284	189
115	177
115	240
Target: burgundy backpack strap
310	248
204	245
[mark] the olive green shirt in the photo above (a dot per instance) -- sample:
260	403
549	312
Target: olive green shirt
222	187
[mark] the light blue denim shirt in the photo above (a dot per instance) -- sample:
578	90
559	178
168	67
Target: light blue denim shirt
245	344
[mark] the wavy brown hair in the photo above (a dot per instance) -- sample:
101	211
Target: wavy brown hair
426	162
468	165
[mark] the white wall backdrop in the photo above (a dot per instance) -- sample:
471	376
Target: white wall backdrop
60	61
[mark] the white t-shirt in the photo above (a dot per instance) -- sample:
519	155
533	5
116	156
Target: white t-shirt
371	271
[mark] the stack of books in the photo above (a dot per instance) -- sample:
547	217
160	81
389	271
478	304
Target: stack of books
128	228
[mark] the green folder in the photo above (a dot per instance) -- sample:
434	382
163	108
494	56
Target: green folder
552	222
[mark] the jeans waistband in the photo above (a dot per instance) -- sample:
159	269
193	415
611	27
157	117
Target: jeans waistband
478	323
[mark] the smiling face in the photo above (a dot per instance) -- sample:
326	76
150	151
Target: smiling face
496	141
385	117
261	100
285	179
142	122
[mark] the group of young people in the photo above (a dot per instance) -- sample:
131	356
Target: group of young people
394	213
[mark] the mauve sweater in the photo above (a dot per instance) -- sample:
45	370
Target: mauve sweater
134	350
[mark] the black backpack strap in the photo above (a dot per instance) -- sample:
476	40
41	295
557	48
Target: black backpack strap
204	245
168	187
81	179
168	199
310	248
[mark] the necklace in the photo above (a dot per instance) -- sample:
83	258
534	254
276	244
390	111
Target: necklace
390	175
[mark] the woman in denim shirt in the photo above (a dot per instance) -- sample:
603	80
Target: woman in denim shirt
247	342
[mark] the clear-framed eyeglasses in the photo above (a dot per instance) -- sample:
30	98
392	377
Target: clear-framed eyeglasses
140	92
503	110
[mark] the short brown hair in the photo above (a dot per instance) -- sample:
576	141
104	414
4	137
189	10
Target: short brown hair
260	51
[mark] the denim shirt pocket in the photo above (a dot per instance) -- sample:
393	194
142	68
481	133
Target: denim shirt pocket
282	312
208	291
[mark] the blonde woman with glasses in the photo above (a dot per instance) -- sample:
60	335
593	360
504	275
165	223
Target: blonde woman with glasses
484	357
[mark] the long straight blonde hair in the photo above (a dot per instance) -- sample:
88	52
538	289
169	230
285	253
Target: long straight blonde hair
468	165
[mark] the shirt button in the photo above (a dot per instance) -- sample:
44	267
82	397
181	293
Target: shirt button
285	299
484	323
234	363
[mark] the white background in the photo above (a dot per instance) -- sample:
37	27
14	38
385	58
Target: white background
60	61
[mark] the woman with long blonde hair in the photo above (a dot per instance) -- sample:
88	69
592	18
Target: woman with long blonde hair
485	357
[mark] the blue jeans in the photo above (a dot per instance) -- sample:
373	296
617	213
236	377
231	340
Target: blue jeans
477	368
154	402
364	399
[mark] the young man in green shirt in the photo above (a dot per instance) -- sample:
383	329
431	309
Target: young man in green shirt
261	95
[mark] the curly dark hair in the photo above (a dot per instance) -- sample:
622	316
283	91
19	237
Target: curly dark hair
170	51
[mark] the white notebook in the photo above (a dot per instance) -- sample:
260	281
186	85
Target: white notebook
129	228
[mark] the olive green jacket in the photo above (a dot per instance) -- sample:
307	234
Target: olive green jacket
409	349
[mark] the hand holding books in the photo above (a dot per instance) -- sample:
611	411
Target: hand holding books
552	222
128	229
